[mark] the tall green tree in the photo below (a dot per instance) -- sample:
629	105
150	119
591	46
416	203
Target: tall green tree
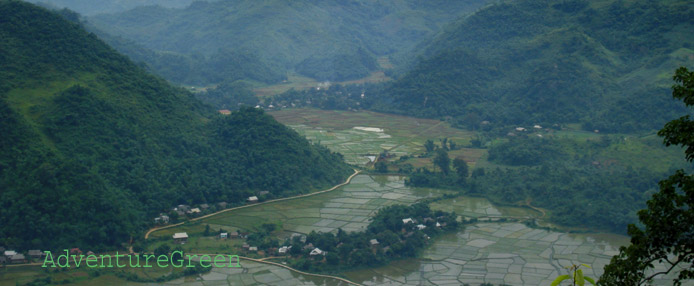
429	145
461	169
667	235
442	161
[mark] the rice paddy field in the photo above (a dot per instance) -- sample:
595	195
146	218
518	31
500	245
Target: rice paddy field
497	252
485	252
349	208
361	135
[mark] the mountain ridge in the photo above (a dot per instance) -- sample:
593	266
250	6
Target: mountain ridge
93	147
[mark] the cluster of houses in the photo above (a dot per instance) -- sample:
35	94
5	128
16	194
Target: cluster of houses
536	127
182	237
254	199
14	257
186	210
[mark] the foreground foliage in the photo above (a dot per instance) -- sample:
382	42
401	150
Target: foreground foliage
666	234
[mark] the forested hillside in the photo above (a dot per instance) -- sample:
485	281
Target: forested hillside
92	7
92	146
327	40
604	64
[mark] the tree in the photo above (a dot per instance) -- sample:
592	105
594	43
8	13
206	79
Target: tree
667	235
442	161
461	169
163	249
429	145
381	167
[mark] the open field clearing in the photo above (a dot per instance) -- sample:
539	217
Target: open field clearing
300	82
358	135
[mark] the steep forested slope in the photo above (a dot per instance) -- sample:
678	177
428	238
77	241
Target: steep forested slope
92	146
92	7
605	64
327	40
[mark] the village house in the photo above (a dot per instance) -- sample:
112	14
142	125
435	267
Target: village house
253	248
18	259
90	253
36	254
223	235
234	234
194	211
222	205
183	208
316	251
9	253
421	226
246	246
204	206
284	249
252	199
373	242
180	237
295	235
75	251
161	219
407	220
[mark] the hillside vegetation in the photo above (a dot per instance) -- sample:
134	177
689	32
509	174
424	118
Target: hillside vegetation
604	64
92	7
93	147
326	40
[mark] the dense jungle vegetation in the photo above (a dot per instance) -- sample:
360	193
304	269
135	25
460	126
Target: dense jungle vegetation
93	147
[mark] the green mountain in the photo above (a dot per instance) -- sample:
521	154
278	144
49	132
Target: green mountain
604	64
92	7
93	147
326	40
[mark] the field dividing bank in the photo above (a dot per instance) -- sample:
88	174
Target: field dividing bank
253	205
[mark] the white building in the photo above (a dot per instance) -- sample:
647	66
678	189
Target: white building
316	251
180	237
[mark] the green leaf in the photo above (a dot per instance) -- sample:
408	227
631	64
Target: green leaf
559	279
586	265
590	280
579	278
